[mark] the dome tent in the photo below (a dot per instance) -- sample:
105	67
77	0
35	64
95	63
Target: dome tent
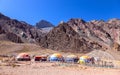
56	57
71	58
84	59
23	57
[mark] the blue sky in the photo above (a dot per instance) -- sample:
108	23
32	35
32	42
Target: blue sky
54	11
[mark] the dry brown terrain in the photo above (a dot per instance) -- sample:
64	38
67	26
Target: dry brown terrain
9	48
56	69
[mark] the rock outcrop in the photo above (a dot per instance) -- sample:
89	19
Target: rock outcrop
64	38
82	36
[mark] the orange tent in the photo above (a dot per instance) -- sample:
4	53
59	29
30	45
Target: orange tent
23	57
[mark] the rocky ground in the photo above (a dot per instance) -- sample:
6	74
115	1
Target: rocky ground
55	69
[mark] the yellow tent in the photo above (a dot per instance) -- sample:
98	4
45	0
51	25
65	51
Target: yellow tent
83	59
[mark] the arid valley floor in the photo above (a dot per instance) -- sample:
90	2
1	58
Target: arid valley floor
46	68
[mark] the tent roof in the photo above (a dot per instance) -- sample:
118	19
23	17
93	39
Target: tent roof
40	56
56	55
72	56
84	57
21	54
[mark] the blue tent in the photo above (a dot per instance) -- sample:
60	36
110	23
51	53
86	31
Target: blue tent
71	59
56	57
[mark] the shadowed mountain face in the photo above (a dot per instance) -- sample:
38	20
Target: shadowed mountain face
44	24
65	38
17	31
78	35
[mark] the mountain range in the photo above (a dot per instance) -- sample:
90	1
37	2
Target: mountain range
19	31
76	35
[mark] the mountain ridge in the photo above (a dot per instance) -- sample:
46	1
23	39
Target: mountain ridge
96	35
14	28
76	35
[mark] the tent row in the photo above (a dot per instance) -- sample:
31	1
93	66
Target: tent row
56	57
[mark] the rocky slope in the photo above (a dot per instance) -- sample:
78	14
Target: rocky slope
78	35
65	38
19	32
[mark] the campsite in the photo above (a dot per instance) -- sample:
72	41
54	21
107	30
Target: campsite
59	37
49	62
53	68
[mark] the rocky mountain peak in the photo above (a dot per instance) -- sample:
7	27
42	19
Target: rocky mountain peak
44	24
75	21
3	17
97	21
18	31
114	20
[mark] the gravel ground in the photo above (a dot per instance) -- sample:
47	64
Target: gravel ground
54	69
